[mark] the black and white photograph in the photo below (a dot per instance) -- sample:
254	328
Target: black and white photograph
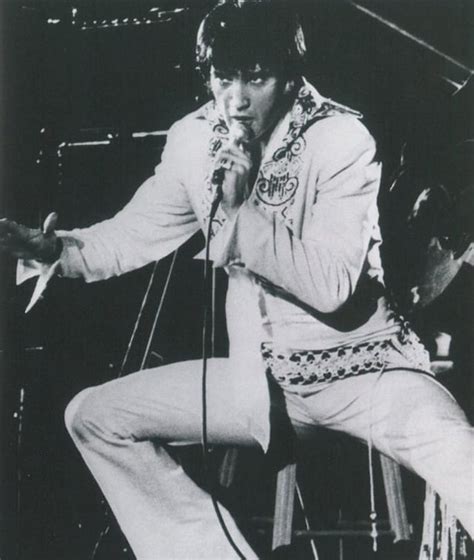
236	279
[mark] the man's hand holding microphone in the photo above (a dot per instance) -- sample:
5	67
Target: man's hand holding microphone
234	164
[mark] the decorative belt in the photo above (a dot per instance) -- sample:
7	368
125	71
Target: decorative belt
307	367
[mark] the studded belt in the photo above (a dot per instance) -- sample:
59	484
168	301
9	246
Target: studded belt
307	367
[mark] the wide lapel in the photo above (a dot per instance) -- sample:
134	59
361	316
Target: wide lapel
278	178
279	175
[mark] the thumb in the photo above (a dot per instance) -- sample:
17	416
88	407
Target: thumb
49	224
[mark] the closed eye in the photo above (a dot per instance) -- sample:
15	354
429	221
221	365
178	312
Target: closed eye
257	80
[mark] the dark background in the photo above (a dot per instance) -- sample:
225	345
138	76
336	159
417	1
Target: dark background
78	73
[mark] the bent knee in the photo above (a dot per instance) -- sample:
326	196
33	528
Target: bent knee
77	412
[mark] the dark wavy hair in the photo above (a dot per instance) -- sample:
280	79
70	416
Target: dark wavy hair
237	35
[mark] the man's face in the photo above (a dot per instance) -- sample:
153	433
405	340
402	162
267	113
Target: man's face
254	98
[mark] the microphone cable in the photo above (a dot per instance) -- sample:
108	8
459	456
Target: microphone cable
217	179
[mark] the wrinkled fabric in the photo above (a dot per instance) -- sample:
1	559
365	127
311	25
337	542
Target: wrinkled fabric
302	253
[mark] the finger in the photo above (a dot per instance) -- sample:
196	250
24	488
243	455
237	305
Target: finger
9	228
50	223
238	169
11	251
6	225
225	163
243	165
234	151
233	158
10	245
16	248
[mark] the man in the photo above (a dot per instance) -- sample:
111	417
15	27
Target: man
297	232
433	195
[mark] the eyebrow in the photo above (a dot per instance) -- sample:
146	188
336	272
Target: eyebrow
261	72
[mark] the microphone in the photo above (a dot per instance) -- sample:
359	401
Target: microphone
239	134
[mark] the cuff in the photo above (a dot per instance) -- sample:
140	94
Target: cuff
27	269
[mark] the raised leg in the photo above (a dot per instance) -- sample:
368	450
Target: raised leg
407	416
122	428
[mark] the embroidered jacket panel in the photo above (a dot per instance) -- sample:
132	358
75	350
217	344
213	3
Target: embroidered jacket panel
308	235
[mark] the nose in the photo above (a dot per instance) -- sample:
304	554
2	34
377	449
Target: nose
240	97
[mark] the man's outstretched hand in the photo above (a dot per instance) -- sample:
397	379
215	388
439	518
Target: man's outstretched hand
22	242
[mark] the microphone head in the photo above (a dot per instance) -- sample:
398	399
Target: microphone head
240	133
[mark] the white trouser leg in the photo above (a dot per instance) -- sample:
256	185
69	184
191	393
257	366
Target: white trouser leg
412	419
118	428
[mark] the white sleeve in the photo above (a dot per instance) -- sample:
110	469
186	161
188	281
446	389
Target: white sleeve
157	220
